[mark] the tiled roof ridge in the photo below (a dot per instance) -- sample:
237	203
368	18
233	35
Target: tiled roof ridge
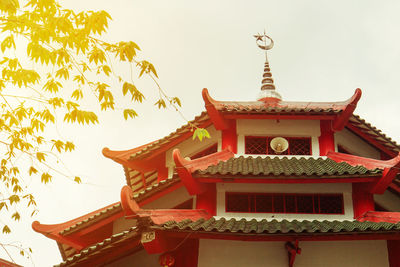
275	227
245	165
106	211
376	131
97	246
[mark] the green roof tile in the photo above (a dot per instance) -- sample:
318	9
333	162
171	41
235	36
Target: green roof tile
284	166
278	227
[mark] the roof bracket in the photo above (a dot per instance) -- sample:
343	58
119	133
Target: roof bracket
292	250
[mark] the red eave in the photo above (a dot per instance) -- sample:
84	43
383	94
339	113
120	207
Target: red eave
221	110
185	168
123	156
158	216
378	216
390	168
53	231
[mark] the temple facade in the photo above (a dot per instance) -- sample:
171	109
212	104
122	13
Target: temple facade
278	183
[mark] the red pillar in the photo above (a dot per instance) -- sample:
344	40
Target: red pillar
208	200
326	140
393	247
229	136
188	254
363	201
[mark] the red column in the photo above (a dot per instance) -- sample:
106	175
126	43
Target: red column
363	201
187	255
229	136
208	200
326	140
393	247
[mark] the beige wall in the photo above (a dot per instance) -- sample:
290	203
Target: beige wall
217	253
355	145
139	259
295	128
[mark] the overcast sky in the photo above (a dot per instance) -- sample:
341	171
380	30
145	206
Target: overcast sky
323	51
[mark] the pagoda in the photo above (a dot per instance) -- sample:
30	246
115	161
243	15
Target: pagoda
278	183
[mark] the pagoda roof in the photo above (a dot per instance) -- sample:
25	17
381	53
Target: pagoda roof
295	229
284	166
279	106
356	123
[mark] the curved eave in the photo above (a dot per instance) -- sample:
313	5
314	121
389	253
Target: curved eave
123	156
57	231
280	106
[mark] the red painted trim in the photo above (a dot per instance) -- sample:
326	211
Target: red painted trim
380	216
215	116
345	115
294	116
229	136
326	139
370	140
393	247
363	200
284	180
208	200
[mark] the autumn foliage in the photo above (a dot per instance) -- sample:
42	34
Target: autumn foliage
52	60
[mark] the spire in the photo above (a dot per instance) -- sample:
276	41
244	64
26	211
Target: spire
267	84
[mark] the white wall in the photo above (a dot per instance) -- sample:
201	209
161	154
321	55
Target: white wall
388	200
169	200
346	189
217	253
190	147
289	128
140	259
355	145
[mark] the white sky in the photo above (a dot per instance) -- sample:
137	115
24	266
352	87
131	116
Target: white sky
323	51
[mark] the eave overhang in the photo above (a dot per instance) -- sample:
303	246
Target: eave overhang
390	168
221	111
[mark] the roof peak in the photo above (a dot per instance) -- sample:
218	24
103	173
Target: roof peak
268	92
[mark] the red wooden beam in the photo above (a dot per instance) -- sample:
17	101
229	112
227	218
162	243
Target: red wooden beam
294	116
215	116
344	116
326	139
284	180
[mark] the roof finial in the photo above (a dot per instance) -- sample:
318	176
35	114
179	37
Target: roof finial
267	84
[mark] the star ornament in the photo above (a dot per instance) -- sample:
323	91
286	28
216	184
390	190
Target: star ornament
258	37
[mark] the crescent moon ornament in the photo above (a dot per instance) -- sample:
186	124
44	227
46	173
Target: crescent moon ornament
263	38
